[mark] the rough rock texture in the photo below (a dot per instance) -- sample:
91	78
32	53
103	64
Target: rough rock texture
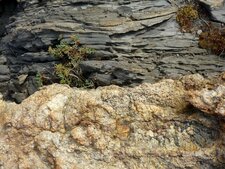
209	101
135	41
149	126
208	96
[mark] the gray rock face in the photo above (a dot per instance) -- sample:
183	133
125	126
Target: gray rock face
217	9
135	41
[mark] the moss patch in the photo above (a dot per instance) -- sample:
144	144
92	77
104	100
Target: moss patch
192	18
213	40
186	15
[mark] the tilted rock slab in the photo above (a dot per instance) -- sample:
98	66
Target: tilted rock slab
217	9
149	126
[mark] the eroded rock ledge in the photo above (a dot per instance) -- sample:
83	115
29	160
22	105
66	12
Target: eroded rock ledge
149	126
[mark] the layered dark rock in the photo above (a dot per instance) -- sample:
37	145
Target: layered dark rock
135	41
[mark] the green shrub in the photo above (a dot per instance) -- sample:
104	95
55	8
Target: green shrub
71	53
39	80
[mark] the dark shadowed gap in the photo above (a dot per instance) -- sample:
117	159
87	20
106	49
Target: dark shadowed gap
7	9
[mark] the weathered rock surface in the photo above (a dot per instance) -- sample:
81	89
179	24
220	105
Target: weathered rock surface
217	9
149	126
135	41
213	3
210	101
206	95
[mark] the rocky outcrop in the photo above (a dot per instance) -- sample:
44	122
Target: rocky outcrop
135	41
149	126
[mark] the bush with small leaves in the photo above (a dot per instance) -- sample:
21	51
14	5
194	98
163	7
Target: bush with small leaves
39	80
71	53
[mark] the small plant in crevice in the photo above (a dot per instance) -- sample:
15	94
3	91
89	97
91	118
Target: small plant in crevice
71	53
213	40
43	78
193	18
39	80
186	16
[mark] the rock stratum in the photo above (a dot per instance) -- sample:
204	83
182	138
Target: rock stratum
135	41
148	126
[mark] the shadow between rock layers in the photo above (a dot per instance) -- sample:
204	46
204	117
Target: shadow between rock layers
149	126
135	41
